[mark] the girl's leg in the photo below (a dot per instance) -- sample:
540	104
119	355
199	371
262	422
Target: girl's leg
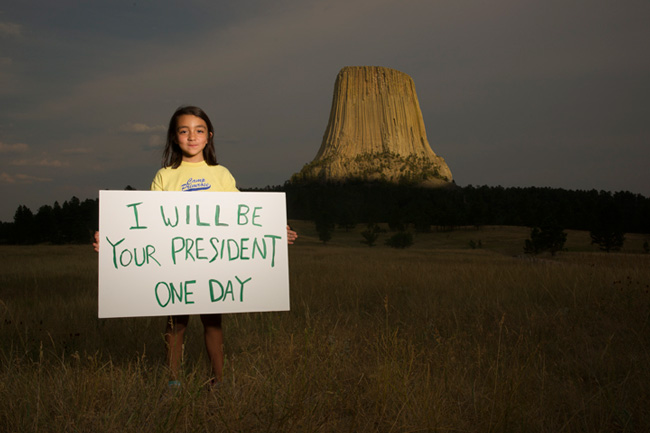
214	342
174	339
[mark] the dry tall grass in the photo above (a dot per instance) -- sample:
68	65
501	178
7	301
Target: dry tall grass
438	337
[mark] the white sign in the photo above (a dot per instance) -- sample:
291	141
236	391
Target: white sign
169	253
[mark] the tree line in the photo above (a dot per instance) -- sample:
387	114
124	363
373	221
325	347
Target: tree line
72	222
446	208
401	206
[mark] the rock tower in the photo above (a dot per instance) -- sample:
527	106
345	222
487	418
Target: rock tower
375	132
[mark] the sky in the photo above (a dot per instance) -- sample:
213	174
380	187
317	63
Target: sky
521	93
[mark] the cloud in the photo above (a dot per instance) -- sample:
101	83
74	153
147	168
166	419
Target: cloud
156	142
13	148
39	163
141	128
244	49
10	29
77	151
6	178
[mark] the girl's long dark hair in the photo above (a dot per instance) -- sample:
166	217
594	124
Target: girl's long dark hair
172	155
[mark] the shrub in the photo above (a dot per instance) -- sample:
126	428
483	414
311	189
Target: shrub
607	239
549	237
400	240
607	231
370	235
324	229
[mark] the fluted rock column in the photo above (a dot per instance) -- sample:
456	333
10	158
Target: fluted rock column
375	131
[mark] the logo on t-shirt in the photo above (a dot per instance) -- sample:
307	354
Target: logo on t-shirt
195	185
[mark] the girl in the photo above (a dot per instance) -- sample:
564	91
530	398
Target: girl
190	164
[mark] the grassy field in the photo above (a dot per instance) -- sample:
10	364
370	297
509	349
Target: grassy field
439	337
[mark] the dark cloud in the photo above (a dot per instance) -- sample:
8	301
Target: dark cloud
512	93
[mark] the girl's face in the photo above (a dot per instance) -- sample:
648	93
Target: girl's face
192	135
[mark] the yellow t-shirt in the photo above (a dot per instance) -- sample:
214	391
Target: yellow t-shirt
194	176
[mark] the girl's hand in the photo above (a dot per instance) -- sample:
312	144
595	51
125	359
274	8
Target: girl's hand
291	235
96	243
